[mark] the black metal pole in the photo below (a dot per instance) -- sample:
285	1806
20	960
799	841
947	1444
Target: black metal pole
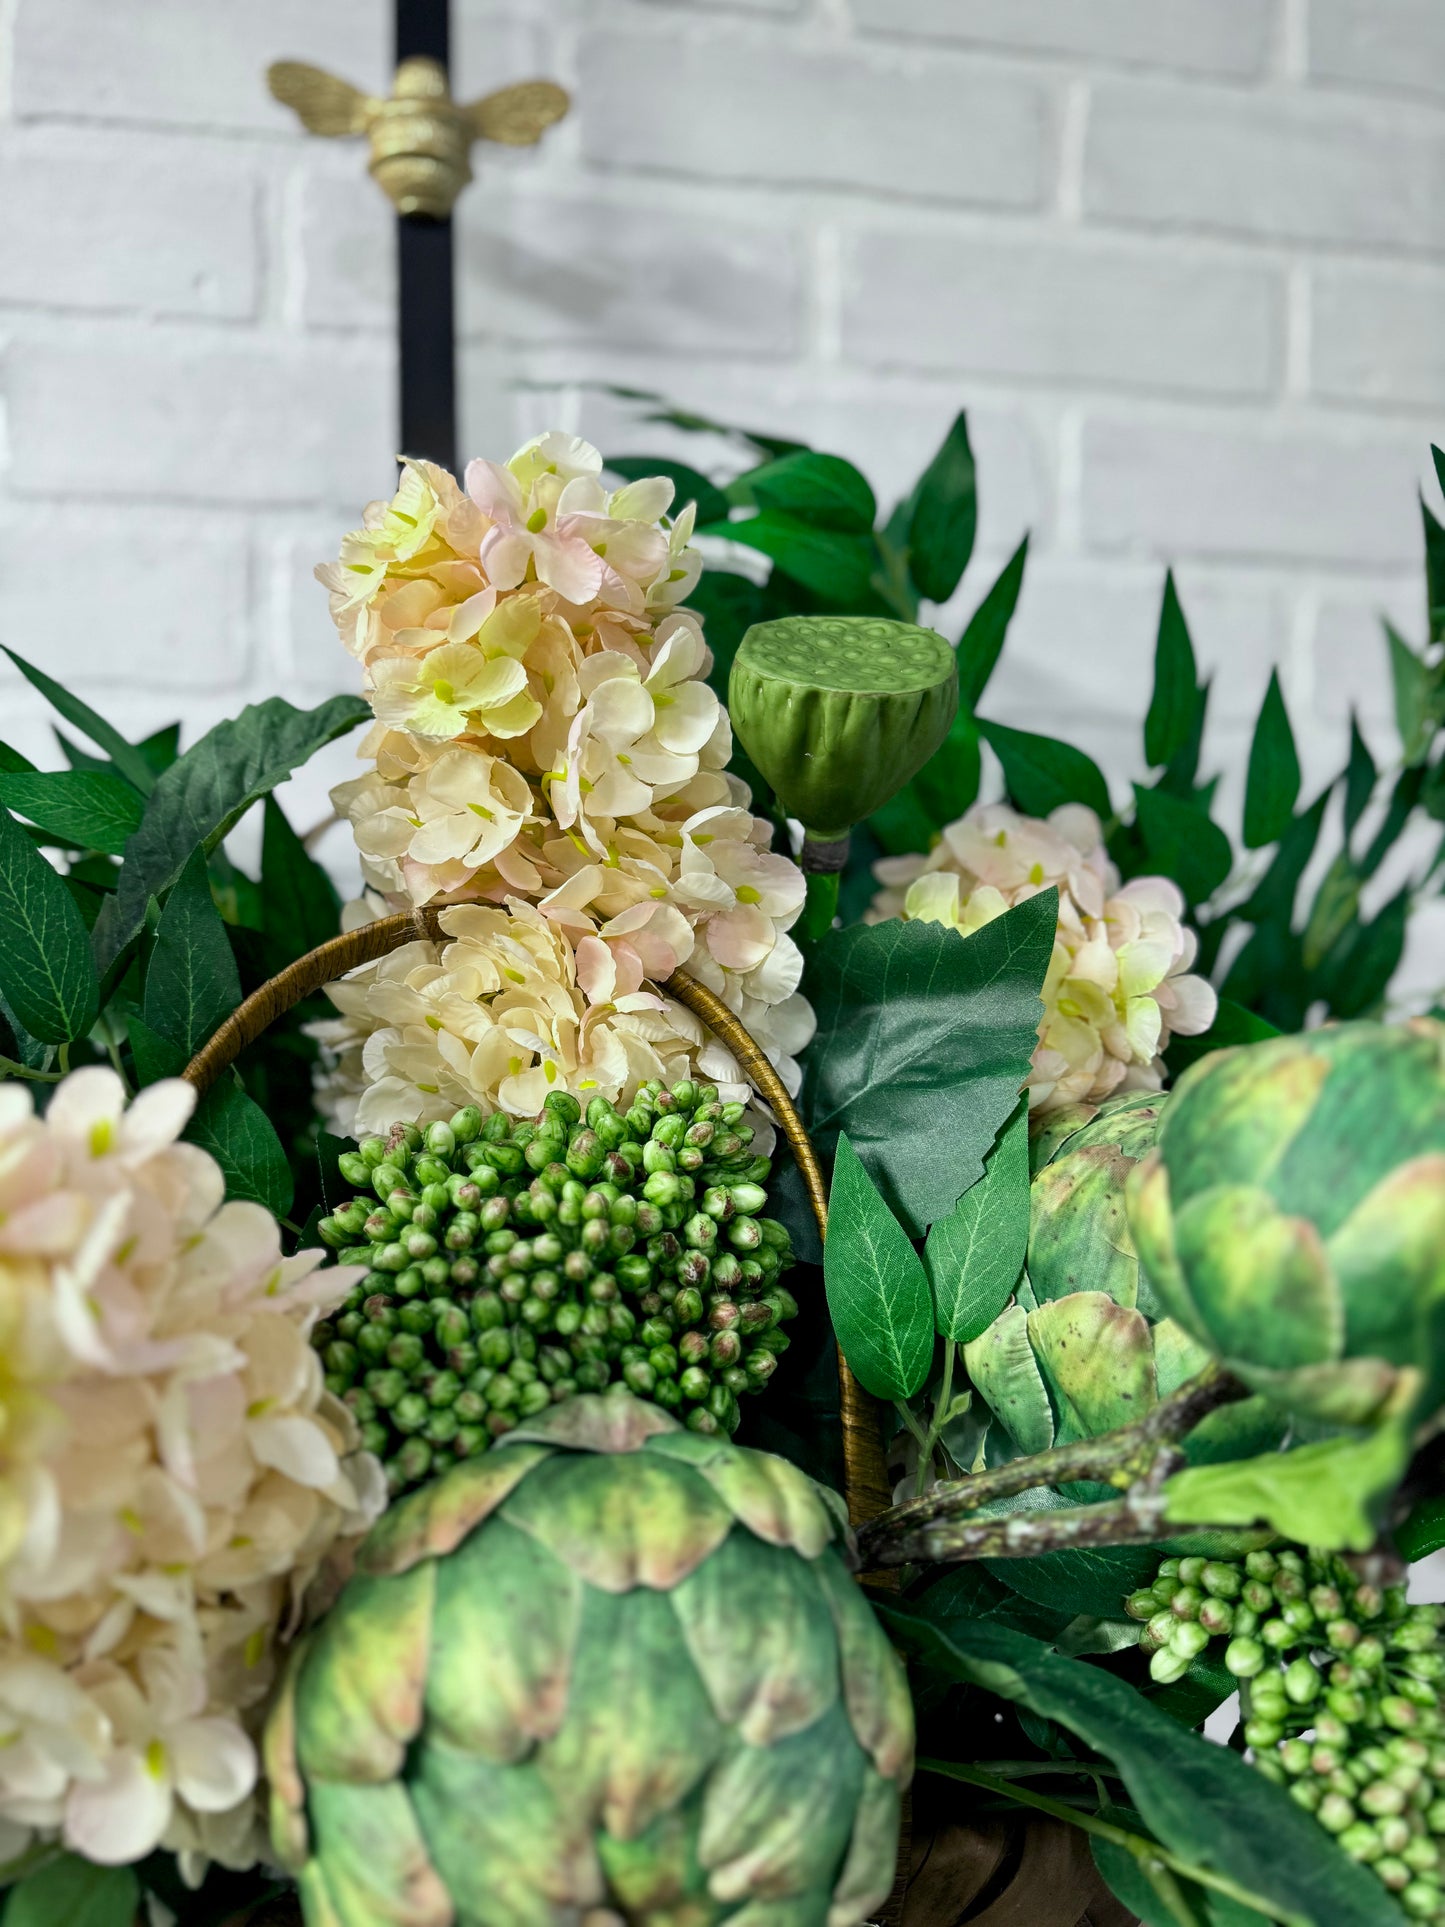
425	291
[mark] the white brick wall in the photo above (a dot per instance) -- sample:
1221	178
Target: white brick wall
1184	260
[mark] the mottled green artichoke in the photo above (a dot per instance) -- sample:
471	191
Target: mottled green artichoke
839	712
512	1263
612	1665
1084	1346
1292	1217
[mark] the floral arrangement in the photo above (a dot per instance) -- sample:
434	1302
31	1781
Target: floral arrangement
429	1491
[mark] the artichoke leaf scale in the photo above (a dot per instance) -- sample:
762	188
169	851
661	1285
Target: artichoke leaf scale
434	1520
1001	1364
867	1875
764	1650
650	1529
1229	1137
360	1691
1261	1280
511	1612
1398	1228
875	1682
1097	1358
378	1870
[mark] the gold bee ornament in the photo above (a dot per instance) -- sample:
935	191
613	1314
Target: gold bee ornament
421	139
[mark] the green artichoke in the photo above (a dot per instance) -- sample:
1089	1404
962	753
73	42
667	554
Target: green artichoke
1084	1346
613	1665
512	1264
839	712
1292	1217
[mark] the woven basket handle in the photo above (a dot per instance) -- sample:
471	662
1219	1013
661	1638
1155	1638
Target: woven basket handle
866	1477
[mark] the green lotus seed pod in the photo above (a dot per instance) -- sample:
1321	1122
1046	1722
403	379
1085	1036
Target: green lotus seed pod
839	712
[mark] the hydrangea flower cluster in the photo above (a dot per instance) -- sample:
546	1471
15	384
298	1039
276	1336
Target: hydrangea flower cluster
543	736
1118	984
173	1475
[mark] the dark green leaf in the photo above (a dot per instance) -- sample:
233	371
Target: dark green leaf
12	763
1190	1700
877	1291
1360	778
694	424
1423	1532
982	641
24	1048
240	1137
924	1041
691	485
127	759
945	517
1274	896
1335	908
1181	842
155	1058
975	1254
1435	558
82	809
833	565
1093	1579
729	604
966	1594
1171	707
299	901
823	491
1042	773
162	749
905	824
1414	688
1272	786
47	971
191	983
1200	1800
79	758
1232	1025
1356	974
204	795
72	1892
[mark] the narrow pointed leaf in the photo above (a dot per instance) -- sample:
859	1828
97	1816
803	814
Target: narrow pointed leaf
1272	786
299	900
1360	777
47	971
834	564
1043	773
1182	842
877	1288
127	759
1176	677
982	641
945	517
975	1254
1412	684
1435	557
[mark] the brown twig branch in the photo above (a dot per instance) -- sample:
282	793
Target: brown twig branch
1136	1458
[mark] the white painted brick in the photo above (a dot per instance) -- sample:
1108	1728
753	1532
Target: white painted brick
1052	311
543	270
128	224
148	600
726	105
1227	37
1378	43
1263	165
189	416
1377	335
192	63
1177	491
1351	664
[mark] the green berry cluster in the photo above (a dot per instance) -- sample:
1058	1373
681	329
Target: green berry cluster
1340	1687
511	1264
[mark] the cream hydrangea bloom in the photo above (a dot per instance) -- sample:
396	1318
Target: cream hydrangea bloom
545	734
172	1476
500	1015
1118	984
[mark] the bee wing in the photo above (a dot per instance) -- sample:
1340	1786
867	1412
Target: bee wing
323	103
518	115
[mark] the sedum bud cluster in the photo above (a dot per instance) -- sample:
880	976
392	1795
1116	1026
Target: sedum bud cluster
1340	1688
511	1264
